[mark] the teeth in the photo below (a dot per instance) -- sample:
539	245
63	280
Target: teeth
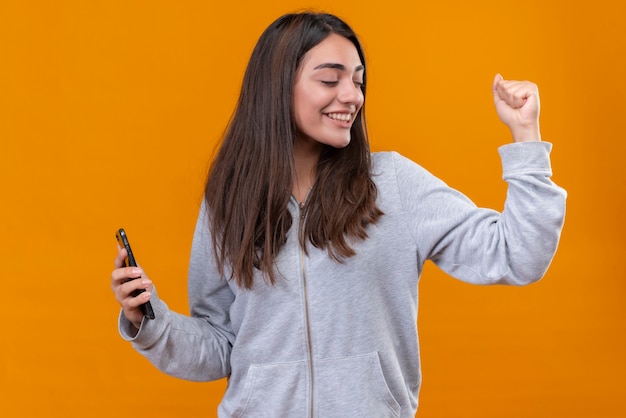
346	117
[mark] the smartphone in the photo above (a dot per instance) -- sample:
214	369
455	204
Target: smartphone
130	261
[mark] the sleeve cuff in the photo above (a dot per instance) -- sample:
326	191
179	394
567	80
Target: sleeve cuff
150	329
525	158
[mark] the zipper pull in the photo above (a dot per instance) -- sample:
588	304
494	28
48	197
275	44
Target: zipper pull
301	205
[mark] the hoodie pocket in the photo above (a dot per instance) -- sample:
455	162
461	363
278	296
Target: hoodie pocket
354	387
274	390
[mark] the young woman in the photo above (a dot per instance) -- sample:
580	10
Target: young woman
308	249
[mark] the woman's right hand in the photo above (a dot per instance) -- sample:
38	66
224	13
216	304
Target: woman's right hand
123	285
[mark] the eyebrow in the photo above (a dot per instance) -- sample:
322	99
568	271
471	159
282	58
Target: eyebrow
338	67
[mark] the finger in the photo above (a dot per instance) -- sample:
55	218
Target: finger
125	274
135	285
130	290
134	289
131	307
516	93
494	85
137	301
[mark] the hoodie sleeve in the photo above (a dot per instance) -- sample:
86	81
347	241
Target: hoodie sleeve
195	347
484	246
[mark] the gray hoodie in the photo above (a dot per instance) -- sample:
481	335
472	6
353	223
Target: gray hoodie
337	339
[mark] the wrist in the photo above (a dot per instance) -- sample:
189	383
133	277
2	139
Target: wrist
530	134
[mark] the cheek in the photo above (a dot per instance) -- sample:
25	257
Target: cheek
309	108
304	114
299	108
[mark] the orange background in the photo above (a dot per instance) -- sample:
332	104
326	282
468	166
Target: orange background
109	111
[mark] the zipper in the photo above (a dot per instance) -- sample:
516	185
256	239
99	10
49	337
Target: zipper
306	313
308	333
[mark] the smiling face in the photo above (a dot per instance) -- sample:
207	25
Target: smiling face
328	92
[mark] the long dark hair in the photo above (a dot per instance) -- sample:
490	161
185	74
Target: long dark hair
250	181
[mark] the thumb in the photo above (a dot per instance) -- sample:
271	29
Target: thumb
494	86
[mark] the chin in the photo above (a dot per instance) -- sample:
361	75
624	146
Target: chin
339	143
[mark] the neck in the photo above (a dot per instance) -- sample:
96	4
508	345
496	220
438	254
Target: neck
305	156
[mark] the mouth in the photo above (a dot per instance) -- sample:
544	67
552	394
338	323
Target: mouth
345	118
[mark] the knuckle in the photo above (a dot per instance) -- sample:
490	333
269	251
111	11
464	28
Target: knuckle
118	274
128	288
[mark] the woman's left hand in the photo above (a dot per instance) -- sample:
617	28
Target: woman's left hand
517	104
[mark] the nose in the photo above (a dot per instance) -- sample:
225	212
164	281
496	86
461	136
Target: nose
350	93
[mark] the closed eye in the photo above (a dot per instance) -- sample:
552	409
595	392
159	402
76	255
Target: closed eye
329	83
